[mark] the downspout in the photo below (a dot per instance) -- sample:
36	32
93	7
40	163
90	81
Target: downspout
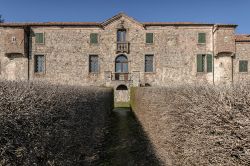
28	31
215	27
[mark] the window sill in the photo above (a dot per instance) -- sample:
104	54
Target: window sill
39	73
40	43
243	72
153	72
201	44
149	44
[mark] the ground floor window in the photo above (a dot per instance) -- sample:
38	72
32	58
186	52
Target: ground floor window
243	66
93	63
149	63
39	64
204	63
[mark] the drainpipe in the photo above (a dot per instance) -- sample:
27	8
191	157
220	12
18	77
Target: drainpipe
28	31
215	27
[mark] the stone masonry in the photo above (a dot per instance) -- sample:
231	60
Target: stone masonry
175	47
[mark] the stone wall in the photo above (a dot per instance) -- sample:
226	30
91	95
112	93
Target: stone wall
242	53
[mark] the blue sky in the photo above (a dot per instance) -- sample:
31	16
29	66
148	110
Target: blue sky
207	11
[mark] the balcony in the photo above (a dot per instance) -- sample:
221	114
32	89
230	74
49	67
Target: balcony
122	47
120	77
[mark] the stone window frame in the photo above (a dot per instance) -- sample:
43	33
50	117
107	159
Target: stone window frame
34	64
154	61
98	38
146	38
98	66
43	43
242	72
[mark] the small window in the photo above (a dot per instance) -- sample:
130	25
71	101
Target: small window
39	38
149	37
243	66
149	61
121	35
93	38
93	63
13	39
204	63
39	64
202	38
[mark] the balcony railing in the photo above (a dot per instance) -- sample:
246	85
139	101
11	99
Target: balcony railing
122	47
120	77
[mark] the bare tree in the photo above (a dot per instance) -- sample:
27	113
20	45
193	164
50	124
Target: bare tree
1	19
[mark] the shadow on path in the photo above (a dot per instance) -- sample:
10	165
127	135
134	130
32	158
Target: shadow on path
126	144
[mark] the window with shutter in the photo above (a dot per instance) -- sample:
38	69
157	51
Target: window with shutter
209	63
202	38
200	63
39	38
149	63
39	64
93	63
149	37
121	35
243	66
94	38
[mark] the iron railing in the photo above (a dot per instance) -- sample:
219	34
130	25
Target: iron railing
122	47
120	76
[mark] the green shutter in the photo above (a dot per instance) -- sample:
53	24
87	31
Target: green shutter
243	66
209	63
94	38
39	38
149	37
200	63
202	38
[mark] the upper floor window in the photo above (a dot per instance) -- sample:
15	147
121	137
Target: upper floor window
39	64
204	63
121	35
243	66
149	63
93	63
39	38
149	37
93	38
202	38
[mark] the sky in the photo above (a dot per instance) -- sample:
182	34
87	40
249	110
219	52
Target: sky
201	11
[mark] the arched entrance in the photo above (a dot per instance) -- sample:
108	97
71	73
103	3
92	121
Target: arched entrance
121	67
121	93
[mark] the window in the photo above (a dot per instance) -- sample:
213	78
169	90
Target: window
94	38
202	38
93	63
39	64
243	66
121	35
204	63
149	37
121	64
149	61
39	38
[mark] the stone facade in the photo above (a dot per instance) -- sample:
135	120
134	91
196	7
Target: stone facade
67	48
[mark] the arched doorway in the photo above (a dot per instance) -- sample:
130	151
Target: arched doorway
121	64
121	67
121	93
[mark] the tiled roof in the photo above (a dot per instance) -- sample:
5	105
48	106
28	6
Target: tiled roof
185	24
242	38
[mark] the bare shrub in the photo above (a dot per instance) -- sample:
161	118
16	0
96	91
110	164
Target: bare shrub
42	124
197	125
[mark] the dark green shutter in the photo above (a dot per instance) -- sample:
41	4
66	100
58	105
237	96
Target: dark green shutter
243	66
209	63
199	63
202	38
149	38
94	38
39	38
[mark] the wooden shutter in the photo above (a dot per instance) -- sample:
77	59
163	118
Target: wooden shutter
39	38
200	65
94	38
209	63
243	66
149	37
202	38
